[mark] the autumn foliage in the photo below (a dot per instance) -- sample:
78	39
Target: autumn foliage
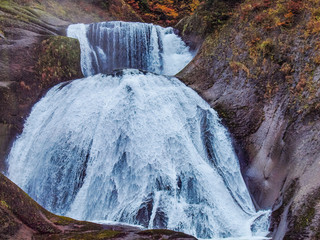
163	12
58	61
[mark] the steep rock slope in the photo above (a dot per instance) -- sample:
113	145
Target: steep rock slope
260	69
33	57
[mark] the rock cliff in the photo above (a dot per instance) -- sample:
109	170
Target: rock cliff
259	68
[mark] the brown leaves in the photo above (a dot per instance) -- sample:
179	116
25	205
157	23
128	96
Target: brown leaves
165	12
59	60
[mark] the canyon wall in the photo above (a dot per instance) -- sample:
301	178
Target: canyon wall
259	68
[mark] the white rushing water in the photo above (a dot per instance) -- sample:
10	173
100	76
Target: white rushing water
108	46
137	148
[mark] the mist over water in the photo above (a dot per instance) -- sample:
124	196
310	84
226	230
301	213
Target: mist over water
134	146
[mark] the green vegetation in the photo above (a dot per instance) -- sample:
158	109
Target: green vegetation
67	10
4	204
61	220
8	225
267	48
106	234
90	235
23	207
157	231
160	233
305	219
15	15
59	59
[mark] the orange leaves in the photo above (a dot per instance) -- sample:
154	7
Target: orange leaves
313	26
24	86
289	15
302	83
255	40
163	12
133	4
169	12
286	68
193	5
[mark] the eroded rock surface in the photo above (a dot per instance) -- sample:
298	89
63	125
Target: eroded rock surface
262	77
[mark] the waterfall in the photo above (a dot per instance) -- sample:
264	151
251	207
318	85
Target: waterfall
108	46
133	146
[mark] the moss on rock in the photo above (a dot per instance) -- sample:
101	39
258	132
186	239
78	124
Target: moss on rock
8	225
105	234
163	234
89	235
17	209
305	225
207	18
22	207
59	60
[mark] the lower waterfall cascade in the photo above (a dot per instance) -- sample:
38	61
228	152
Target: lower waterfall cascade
133	146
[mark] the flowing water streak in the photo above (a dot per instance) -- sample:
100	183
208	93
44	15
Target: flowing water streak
108	46
136	148
133	147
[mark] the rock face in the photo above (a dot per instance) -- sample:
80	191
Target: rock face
260	71
33	57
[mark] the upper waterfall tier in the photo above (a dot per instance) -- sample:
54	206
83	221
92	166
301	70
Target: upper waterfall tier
136	148
108	46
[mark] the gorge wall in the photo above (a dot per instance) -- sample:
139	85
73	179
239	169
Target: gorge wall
259	68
